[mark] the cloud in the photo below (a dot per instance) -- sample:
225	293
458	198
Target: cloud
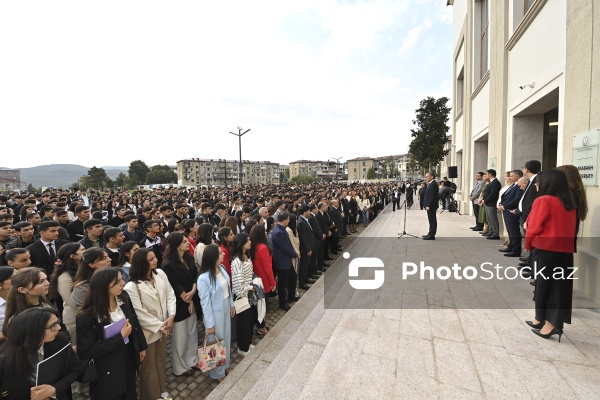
116	81
413	36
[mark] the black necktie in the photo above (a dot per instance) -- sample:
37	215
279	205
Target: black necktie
51	251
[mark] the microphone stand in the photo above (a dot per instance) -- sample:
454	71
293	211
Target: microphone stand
404	229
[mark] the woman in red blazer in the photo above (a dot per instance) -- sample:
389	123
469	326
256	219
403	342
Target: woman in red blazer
262	262
550	230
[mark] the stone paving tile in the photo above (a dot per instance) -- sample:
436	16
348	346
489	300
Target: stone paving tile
445	324
497	373
449	392
381	338
372	380
454	365
544	381
409	364
583	380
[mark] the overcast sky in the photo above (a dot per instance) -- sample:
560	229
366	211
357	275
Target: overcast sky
105	83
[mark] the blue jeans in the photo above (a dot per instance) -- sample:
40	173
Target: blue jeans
365	217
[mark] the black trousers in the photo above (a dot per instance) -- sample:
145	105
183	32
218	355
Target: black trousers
314	259
321	254
303	269
286	285
395	203
476	213
432	217
514	233
245	323
334	240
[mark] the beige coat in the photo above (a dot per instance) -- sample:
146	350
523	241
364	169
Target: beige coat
154	306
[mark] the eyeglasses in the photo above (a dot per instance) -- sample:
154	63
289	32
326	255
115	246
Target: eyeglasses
54	327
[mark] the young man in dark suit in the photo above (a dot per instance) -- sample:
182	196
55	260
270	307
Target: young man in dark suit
431	203
307	246
508	203
43	252
336	231
490	199
530	170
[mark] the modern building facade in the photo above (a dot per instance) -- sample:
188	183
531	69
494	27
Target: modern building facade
218	172
527	86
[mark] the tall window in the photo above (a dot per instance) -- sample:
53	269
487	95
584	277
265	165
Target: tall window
527	5
484	39
460	84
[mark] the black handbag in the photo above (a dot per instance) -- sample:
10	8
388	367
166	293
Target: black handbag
89	373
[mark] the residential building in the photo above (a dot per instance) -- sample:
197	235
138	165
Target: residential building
328	171
358	168
10	179
527	87
218	172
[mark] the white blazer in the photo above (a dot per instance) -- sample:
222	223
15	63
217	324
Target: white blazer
152	306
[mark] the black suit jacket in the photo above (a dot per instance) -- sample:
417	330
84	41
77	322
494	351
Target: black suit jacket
316	228
306	235
431	199
75	229
108	354
336	218
492	191
324	222
528	199
41	258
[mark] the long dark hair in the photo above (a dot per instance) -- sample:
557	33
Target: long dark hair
125	248
205	232
140	266
237	249
553	182
97	300
223	233
20	353
67	264
249	225
576	185
171	253
293	223
85	272
210	257
258	236
16	302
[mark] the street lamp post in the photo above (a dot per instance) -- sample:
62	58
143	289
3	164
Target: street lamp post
239	135
337	166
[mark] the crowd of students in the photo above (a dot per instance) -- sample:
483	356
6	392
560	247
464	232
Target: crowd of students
154	264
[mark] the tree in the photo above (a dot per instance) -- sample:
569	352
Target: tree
387	167
31	188
303	179
161	174
371	174
121	180
137	172
430	135
96	178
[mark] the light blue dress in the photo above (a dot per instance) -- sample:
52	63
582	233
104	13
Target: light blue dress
216	310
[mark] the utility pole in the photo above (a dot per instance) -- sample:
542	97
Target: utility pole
239	135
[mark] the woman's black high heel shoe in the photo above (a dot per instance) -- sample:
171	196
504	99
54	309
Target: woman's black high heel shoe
554	331
536	326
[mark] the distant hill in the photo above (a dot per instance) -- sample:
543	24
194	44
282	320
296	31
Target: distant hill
61	175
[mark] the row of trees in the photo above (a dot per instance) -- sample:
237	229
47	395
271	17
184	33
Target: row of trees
138	174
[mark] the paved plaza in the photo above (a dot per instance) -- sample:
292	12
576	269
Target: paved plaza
437	342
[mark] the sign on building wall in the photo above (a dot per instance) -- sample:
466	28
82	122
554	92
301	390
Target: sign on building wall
585	156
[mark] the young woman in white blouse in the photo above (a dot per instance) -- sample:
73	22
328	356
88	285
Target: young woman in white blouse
241	276
154	302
